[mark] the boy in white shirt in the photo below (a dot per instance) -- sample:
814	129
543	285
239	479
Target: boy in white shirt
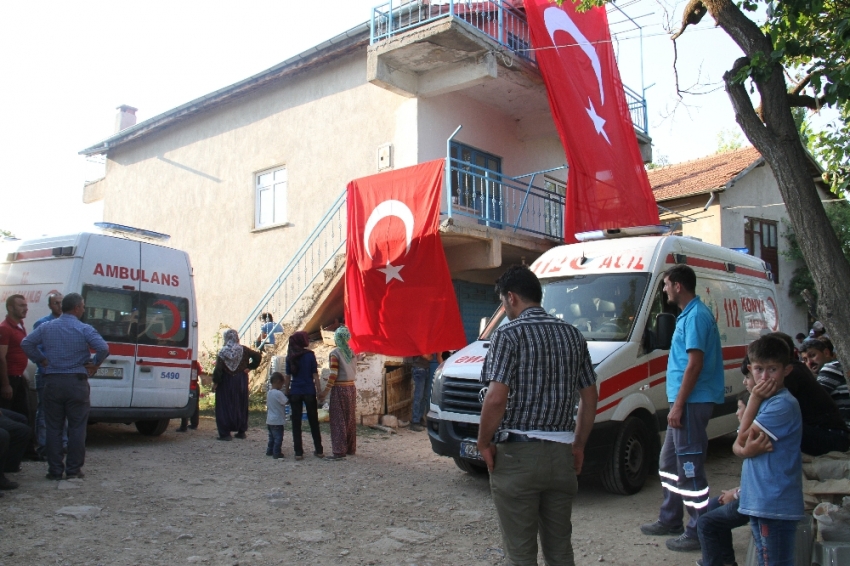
275	415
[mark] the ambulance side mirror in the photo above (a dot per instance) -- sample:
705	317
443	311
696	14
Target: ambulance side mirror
666	325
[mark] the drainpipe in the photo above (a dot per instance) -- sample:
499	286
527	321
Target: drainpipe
448	181
710	200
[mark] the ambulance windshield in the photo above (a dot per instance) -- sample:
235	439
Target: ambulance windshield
603	307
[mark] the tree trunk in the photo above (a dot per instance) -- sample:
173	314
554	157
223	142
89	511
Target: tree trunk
776	137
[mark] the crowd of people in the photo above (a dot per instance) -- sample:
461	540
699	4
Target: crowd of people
534	444
796	401
61	347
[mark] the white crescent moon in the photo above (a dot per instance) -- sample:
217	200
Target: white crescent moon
558	20
389	208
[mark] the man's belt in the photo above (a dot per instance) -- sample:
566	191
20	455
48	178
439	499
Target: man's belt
514	437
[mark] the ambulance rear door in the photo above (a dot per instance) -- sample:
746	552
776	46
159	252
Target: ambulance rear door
108	282
164	355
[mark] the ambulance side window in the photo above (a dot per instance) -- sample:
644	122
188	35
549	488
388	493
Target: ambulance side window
658	306
164	320
114	313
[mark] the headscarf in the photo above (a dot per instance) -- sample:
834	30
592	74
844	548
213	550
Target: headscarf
341	338
231	352
298	346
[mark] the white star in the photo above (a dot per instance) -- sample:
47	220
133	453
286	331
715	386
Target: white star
598	121
391	272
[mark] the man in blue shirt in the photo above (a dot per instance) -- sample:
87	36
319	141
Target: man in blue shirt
695	383
54	303
62	348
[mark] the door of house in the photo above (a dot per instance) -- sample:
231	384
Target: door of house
760	237
398	391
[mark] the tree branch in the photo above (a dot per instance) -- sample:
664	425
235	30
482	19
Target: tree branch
694	11
745	114
806	101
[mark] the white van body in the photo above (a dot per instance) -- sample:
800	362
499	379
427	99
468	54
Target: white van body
612	291
140	297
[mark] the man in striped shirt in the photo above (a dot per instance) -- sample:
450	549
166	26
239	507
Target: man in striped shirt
538	369
820	357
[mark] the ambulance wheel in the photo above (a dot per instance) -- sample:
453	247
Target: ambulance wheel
626	470
470	468
152	428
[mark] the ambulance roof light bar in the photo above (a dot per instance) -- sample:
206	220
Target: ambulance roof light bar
611	233
139	232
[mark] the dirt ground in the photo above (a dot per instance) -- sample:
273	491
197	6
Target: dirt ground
187	498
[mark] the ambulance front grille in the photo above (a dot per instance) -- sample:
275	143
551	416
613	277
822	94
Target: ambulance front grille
461	396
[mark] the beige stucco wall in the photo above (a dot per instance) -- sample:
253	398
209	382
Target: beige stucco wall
489	130
756	195
195	180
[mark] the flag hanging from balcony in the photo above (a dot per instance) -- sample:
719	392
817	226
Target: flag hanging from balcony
607	186
399	298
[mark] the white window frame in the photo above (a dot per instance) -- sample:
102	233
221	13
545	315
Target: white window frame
271	185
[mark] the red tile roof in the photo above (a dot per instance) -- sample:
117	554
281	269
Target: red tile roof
700	175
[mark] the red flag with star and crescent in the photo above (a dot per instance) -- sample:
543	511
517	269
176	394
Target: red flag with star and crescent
399	298
607	186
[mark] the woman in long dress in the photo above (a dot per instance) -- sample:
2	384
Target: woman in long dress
301	384
230	385
343	403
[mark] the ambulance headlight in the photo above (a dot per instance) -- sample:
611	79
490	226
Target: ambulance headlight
437	386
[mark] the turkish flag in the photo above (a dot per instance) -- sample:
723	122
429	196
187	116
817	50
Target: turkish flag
399	299
607	186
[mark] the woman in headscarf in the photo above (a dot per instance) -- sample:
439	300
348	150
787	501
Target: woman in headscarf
230	384
301	384
344	398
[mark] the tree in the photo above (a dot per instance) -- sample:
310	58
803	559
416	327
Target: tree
807	42
728	141
839	218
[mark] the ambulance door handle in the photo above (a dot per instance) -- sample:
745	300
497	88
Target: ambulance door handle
144	368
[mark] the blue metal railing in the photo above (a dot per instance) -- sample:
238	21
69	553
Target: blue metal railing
499	19
499	201
304	269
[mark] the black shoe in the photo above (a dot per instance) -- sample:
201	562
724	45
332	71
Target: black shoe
192	426
53	477
240	435
181	429
36	457
319	454
224	438
684	543
416	427
8	484
660	529
78	476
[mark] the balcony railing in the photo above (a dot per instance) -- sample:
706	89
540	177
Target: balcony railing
502	202
499	19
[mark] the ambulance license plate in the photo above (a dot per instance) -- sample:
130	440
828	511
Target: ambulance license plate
469	450
109	373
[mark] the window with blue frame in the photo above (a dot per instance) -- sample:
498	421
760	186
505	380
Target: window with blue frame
476	182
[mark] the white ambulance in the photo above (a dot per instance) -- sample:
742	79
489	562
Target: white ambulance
611	290
139	296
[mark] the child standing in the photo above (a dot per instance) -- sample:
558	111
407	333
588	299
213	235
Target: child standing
276	415
769	441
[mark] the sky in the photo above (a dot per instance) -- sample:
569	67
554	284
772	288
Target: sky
66	66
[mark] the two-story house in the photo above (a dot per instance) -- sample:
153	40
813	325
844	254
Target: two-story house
250	179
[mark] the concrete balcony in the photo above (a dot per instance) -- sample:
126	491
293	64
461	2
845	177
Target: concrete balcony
424	49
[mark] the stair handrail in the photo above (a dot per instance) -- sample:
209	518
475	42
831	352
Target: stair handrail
290	266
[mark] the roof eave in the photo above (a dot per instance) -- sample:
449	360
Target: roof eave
342	43
692	194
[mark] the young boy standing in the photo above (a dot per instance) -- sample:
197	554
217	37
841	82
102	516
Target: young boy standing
769	441
275	415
